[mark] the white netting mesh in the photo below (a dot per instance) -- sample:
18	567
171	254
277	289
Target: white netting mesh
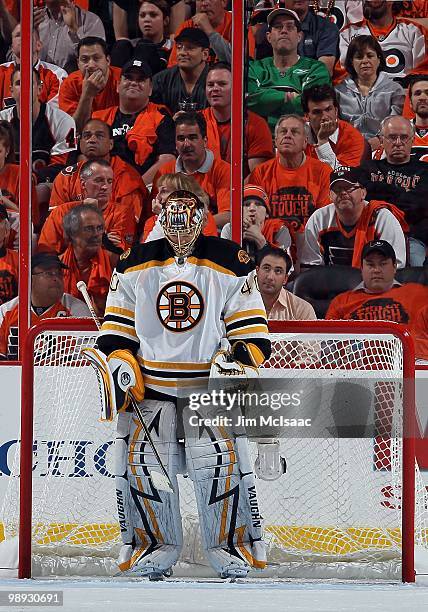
335	513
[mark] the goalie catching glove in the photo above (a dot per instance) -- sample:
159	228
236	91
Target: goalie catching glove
119	376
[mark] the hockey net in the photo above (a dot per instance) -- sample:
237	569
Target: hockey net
337	512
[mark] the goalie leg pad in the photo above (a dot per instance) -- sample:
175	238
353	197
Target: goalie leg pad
220	468
155	515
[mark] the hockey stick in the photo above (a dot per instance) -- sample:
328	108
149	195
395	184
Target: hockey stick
162	480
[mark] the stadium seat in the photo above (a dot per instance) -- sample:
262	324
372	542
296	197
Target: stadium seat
320	284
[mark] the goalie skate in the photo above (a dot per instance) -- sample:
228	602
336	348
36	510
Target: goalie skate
226	564
155	565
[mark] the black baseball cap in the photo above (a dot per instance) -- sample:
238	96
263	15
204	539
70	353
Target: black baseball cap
3	212
139	66
379	246
46	260
345	174
194	35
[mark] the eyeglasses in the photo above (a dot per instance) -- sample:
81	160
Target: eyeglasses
93	229
398	138
53	273
338	190
288	27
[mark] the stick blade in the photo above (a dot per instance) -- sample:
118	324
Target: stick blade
161	482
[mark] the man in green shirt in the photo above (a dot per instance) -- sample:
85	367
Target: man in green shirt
275	83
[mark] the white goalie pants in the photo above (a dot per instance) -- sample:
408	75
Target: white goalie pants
218	463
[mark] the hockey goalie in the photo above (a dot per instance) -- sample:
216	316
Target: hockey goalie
172	304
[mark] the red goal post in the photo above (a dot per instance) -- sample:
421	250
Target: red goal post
283	332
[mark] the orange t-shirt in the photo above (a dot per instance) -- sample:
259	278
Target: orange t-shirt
400	304
128	186
257	136
224	29
71	91
9	274
349	147
118	218
9	187
294	194
215	182
97	277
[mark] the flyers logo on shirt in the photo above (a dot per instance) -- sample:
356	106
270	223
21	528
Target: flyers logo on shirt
293	204
395	60
384	309
179	306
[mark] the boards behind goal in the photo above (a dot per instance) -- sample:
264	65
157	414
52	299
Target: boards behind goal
351	504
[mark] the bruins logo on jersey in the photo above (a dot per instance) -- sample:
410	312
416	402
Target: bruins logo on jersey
243	256
180	306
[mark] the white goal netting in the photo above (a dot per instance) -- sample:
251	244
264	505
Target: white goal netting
336	512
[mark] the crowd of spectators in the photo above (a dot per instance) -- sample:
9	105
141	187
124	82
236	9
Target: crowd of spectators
132	99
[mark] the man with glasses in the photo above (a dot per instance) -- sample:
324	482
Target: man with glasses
47	300
275	84
336	234
402	180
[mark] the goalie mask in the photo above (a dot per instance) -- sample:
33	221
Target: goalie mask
181	218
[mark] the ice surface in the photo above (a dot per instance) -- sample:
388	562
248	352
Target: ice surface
120	595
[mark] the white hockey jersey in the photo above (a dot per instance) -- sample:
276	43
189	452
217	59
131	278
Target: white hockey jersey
403	44
174	316
328	242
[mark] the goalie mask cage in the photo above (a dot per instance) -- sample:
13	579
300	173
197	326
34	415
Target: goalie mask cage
346	507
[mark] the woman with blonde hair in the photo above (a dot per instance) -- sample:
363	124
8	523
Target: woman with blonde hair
167	183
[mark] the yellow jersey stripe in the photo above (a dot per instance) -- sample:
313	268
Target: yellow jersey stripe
174	383
124	312
210	264
171	365
254	329
243	314
114	327
150	264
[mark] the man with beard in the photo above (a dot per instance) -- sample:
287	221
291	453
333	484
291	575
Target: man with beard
275	84
379	297
402	42
418	94
403	181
